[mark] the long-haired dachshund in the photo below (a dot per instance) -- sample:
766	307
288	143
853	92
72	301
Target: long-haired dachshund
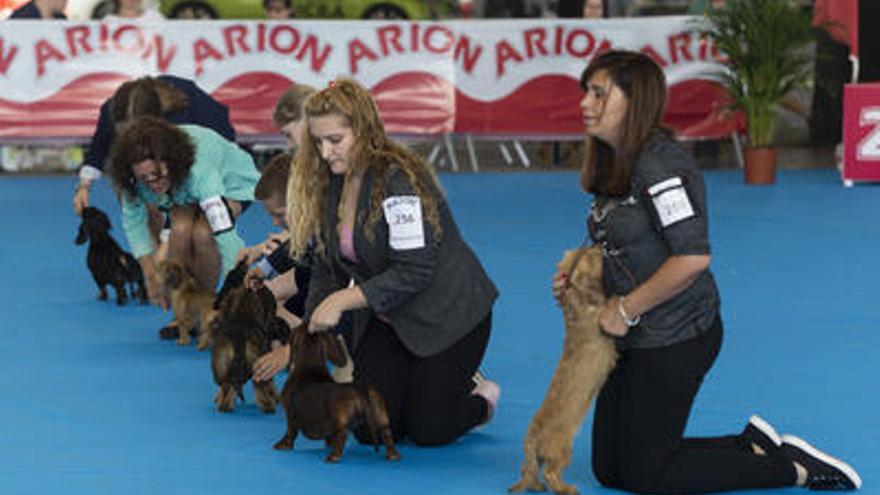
242	331
193	306
588	356
109	264
323	409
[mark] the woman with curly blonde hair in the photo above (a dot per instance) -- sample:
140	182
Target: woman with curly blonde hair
389	255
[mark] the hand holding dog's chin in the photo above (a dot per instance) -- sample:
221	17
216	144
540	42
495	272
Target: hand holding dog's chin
610	320
326	315
80	199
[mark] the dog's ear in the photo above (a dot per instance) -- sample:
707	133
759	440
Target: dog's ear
81	234
332	349
234	279
103	221
586	275
296	337
568	258
174	275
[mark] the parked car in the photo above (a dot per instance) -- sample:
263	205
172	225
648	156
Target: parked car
311	9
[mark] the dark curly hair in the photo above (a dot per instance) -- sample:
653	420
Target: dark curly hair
150	138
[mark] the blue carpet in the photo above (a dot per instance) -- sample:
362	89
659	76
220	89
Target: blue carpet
94	403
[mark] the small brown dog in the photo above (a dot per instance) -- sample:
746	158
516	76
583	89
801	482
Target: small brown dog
322	408
243	331
193	306
588	356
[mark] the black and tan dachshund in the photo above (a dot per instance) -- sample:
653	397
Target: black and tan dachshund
109	264
323	409
243	331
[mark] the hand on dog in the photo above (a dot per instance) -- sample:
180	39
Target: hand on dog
268	365
254	278
558	286
250	254
154	291
328	313
610	319
272	242
81	197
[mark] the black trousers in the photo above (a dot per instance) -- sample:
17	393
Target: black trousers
429	398
640	418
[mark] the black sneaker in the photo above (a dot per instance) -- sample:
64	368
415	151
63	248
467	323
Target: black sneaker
761	433
824	472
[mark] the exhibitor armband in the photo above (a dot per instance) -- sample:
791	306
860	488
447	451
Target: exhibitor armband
630	322
218	214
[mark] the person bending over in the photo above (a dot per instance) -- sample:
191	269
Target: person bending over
172	98
201	181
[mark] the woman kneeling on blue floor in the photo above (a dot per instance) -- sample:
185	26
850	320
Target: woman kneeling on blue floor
389	255
649	213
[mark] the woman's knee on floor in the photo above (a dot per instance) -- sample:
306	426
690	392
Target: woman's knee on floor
604	469
641	474
429	431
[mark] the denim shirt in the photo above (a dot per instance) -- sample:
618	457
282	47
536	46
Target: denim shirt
663	215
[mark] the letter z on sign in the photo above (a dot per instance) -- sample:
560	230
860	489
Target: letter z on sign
404	217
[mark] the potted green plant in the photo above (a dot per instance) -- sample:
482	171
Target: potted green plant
764	44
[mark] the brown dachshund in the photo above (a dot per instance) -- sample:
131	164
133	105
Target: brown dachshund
193	306
588	356
243	331
322	408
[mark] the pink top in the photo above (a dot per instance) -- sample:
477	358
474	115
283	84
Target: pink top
346	243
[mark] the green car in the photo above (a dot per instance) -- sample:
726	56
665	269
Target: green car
314	9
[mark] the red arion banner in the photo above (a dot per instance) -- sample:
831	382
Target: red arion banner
493	77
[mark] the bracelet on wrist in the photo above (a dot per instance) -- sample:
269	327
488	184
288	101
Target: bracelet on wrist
630	322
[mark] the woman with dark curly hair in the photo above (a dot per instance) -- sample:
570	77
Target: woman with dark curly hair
199	179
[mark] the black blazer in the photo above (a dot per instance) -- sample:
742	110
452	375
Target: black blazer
432	296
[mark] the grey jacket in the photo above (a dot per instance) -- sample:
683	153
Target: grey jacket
664	214
431	295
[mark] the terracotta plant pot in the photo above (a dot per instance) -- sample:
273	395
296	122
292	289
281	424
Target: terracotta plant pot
760	166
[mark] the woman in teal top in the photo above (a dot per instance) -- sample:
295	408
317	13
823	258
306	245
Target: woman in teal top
199	179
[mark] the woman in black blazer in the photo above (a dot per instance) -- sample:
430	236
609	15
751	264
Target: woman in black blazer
389	256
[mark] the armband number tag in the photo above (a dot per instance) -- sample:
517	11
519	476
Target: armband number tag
404	217
671	201
217	214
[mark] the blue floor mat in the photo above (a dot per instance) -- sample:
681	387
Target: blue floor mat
94	403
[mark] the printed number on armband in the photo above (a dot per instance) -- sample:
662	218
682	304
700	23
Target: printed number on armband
671	201
404	217
217	213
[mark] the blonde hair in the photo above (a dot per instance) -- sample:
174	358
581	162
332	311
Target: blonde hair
372	150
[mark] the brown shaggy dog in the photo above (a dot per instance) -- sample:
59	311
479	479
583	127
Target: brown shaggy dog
242	332
588	356
193	306
322	408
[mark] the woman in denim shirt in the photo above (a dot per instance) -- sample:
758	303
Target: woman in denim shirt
649	214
